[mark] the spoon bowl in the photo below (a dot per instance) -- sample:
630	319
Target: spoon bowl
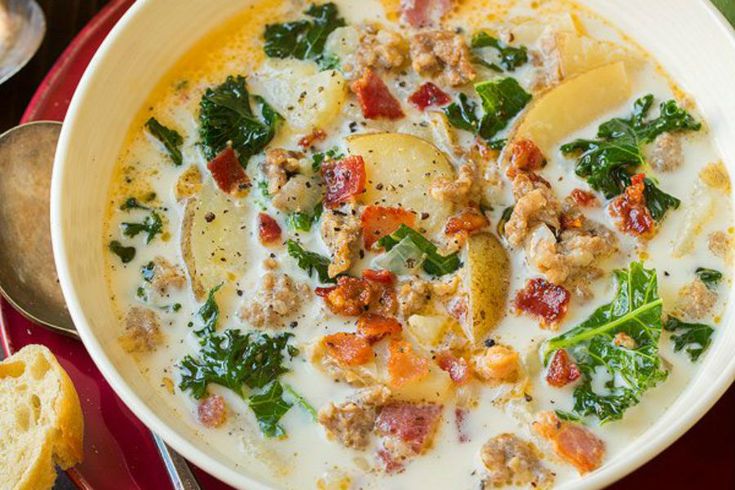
22	27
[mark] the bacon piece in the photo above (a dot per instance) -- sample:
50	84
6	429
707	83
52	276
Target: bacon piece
427	95
323	292
498	364
460	419
211	411
423	13
562	370
543	299
572	442
457	367
376	327
633	216
348	349
379	221
375	98
525	156
268	229
413	424
353	296
344	179
584	198
404	365
311	138
383	276
228	173
391	464
467	221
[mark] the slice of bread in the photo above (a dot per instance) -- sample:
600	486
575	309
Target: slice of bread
41	422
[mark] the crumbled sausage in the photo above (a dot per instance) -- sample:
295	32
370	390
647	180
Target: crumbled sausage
277	298
720	244
461	190
380	48
279	165
695	301
142	330
212	412
444	55
667	154
166	276
352	422
413	296
535	204
510	460
188	184
497	364
341	232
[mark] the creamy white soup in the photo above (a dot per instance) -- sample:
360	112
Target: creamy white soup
448	244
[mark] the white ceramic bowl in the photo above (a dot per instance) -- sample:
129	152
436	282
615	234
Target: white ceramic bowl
689	37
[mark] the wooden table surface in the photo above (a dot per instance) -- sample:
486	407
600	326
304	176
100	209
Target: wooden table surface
704	458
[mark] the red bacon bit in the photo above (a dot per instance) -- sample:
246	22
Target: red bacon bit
382	276
467	221
311	138
375	98
404	365
572	442
391	465
268	229
525	156
427	95
228	173
344	179
460	419
324	292
211	411
353	296
348	349
562	370
376	327
543	299
414	424
584	198
630	208
379	221
424	13
457	367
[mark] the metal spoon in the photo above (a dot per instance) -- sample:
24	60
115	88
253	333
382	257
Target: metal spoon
22	27
28	277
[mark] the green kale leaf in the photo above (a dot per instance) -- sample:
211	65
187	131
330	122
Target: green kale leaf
304	39
310	261
169	138
226	117
126	254
301	221
403	258
709	277
269	407
133	203
209	314
151	226
318	158
695	337
502	99
434	263
635	311
302	401
607	162
509	59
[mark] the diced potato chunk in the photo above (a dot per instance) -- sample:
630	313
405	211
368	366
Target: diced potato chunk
427	331
435	386
559	112
400	169
488	280
305	97
213	233
579	54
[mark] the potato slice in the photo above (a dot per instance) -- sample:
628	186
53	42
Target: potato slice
579	54
558	112
400	169
487	281
213	251
305	97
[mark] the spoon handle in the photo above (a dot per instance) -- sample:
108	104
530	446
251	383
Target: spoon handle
178	469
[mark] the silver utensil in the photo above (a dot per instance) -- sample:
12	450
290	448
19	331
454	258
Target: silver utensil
28	277
22	27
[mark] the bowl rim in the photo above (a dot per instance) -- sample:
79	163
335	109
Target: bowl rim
194	453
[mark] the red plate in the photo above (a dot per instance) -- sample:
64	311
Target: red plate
119	450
